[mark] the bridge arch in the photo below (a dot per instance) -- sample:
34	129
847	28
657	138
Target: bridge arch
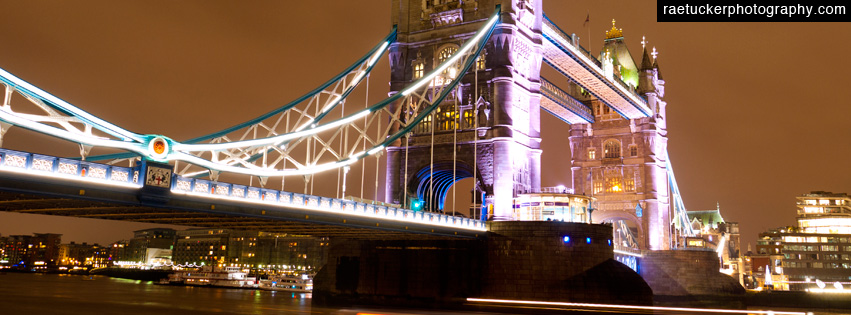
432	195
629	219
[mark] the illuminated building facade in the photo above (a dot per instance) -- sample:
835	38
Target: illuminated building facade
816	254
493	119
251	249
32	252
92	255
622	162
722	237
552	206
149	243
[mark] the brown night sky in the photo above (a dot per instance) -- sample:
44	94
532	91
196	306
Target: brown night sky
758	113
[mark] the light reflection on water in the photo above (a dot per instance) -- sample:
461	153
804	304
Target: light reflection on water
73	294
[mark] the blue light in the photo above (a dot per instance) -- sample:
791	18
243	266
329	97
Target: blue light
610	242
567	239
588	240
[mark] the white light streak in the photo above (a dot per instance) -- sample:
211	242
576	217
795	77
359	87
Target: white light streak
29	172
14	119
371	214
69	107
634	307
377	54
617	251
270	140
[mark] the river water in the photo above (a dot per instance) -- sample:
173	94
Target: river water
22	293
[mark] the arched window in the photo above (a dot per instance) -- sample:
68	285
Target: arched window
451	72
612	149
419	69
445	53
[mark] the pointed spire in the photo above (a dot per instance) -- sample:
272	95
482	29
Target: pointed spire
646	63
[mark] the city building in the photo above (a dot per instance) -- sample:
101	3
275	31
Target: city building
83	255
715	234
815	255
150	245
251	249
119	251
32	252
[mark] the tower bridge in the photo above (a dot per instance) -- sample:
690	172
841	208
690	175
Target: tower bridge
466	95
465	101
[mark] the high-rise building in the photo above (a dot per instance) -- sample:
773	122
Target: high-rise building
815	254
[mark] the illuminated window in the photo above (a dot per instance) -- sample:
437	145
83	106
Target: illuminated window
614	184
630	184
468	118
419	69
424	126
612	149
480	62
598	187
446	119
445	53
592	154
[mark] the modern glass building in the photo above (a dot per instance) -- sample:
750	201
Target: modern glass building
816	254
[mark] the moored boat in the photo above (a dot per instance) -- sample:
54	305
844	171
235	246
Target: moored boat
289	283
229	277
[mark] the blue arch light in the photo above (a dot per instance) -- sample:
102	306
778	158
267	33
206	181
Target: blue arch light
567	239
588	240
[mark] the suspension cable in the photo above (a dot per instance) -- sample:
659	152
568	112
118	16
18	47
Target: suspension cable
363	143
454	147
475	143
431	162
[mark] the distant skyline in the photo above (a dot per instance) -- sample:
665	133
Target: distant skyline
757	112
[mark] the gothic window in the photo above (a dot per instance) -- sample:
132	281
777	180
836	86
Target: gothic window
612	149
419	69
445	53
447	119
480	61
633	150
592	154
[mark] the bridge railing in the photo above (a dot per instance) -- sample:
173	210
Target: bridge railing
561	97
235	192
56	167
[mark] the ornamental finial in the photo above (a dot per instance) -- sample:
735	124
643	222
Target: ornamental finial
614	32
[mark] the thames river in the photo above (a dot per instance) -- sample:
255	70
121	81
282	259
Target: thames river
22	293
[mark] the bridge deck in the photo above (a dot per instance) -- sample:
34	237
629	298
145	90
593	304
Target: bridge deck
39	184
570	59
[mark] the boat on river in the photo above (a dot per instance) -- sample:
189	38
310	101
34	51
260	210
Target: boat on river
228	277
289	283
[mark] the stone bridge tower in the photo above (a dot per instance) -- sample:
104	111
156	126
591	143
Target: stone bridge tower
498	103
623	162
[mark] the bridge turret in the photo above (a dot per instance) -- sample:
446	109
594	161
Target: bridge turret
497	140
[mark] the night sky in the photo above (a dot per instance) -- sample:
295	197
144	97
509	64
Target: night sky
757	112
